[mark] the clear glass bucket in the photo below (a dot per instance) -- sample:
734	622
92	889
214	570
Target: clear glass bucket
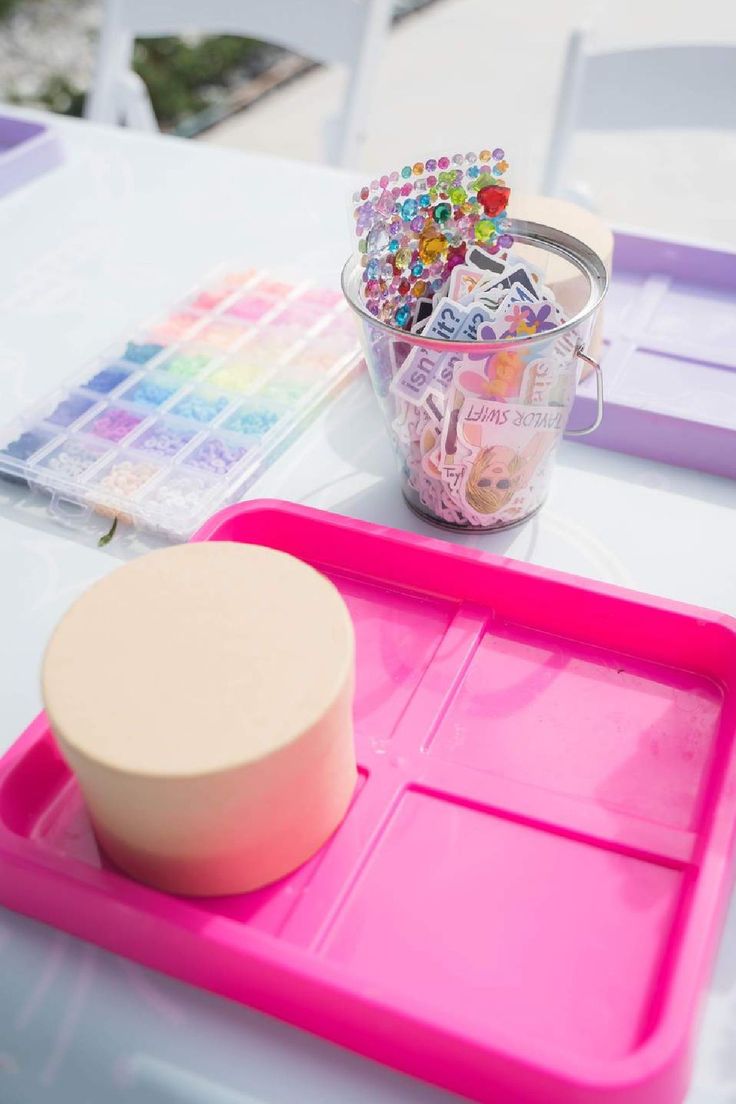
475	425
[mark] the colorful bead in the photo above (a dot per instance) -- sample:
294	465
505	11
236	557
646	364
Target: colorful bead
217	455
403	258
419	289
165	439
417	223
442	212
424	200
484	155
71	408
181	494
418	168
72	459
457	194
505	241
107	379
484	230
406	172
377	239
417	269
408	209
432	248
125	477
254	419
24	446
498	154
141	353
444	162
204	406
494	199
392	248
430	165
114	424
402	316
151	392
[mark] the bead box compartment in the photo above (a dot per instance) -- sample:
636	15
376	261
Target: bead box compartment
524	899
246	381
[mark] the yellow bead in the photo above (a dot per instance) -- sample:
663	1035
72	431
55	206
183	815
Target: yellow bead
484	155
418	168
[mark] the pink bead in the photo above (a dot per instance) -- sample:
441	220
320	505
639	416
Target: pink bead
444	162
384	182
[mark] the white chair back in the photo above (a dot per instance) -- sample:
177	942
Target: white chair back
345	32
653	87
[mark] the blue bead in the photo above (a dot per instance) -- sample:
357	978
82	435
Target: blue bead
371	269
417	269
402	315
393	246
408	209
473	171
406	172
424	200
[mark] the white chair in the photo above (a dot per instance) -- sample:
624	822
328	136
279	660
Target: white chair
637	89
345	32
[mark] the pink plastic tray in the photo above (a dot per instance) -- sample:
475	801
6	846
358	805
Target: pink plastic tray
523	902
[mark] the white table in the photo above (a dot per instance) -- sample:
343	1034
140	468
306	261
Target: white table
121	230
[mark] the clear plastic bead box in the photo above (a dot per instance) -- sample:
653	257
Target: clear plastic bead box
178	419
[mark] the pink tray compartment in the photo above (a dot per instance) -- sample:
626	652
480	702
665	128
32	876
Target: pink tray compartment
523	902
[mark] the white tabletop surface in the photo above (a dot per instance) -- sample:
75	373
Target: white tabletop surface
123	228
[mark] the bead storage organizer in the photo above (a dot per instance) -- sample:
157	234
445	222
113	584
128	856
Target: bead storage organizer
180	417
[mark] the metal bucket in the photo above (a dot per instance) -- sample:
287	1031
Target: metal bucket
475	425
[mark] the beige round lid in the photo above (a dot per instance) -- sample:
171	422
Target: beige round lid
197	658
574	220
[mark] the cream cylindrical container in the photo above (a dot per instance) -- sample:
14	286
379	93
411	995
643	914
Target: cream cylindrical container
202	695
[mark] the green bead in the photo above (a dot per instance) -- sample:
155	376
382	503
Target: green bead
458	195
442	212
484	230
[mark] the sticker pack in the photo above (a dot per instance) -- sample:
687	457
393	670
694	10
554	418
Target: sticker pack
178	419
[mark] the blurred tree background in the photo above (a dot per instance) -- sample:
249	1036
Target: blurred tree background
47	54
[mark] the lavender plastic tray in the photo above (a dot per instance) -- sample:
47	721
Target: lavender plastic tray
669	356
27	149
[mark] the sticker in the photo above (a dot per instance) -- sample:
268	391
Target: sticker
482	259
463	281
493	455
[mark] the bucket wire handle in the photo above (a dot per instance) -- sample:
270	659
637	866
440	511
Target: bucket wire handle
598	395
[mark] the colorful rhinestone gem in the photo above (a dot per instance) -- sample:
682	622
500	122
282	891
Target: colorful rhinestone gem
408	209
402	316
484	230
377	239
403	258
494	199
393	246
418	168
406	172
442	212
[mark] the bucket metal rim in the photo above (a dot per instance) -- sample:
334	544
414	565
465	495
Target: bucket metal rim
556	241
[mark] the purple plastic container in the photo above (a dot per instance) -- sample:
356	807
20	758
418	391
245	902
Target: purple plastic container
27	149
669	364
